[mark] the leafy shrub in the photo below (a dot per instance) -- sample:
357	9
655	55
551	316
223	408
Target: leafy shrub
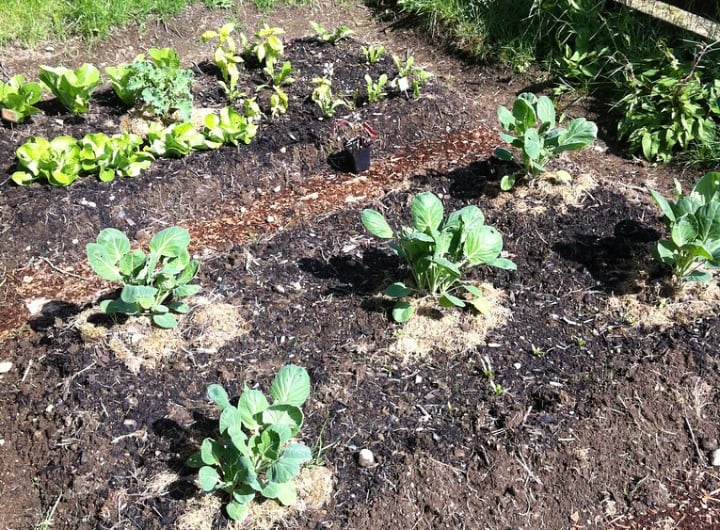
532	127
72	87
694	224
111	156
667	107
148	280
159	83
437	250
56	161
17	98
254	455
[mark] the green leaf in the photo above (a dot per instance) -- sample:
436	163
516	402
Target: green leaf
237	511
251	404
183	291
579	134
546	112
507	182
663	204
503	154
208	478
291	386
376	224
289	416
170	242
506	118
532	144
137	294
503	263
165	320
208	451
228	417
398	290
102	262
402	312
286	493
288	465
115	243
448	300
684	230
708	186
217	395
483	245
523	111
698	276
427	212
118	306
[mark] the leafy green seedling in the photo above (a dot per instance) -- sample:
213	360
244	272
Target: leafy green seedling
148	280
229	127
268	48
111	156
72	87
375	88
176	140
339	33
226	58
531	129
437	250
373	54
255	455
56	161
119	80
410	77
694	224
18	98
278	102
323	96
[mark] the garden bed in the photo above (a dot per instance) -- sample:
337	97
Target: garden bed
609	415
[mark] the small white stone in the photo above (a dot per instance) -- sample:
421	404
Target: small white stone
130	423
715	458
366	458
5	367
270	219
280	289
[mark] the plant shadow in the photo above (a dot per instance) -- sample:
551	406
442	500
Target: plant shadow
618	263
480	179
365	276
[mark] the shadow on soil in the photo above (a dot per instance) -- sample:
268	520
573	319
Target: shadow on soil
617	263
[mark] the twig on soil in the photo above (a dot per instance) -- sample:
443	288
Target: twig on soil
700	455
61	271
27	370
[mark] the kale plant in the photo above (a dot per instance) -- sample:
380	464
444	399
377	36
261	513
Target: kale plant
531	129
149	280
438	250
255	454
694	224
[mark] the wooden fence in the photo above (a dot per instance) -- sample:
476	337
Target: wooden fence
678	17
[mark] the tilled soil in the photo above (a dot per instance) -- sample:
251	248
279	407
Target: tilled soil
609	413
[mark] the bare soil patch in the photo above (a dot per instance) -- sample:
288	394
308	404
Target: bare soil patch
609	424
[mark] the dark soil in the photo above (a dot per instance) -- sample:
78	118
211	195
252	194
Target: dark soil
610	411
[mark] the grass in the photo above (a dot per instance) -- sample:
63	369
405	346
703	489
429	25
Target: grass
29	23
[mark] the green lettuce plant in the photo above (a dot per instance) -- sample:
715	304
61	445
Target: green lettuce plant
18	98
531	129
375	88
229	127
120	76
255	455
149	280
284	75
268	48
373	54
111	156
226	58
56	161
175	141
72	87
694	224
339	33
438	250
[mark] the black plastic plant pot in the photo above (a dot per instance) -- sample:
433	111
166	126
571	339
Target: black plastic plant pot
357	153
